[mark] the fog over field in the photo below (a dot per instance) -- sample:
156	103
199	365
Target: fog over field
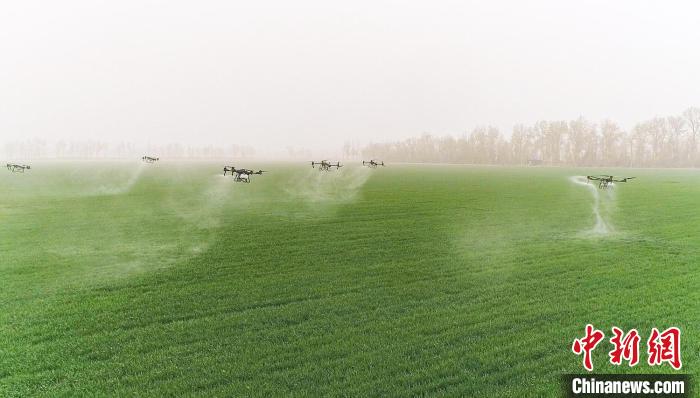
167	229
127	278
298	79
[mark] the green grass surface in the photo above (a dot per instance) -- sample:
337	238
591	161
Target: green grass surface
131	279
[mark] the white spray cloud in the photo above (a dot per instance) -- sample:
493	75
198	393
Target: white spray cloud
122	185
77	179
602	226
102	180
335	186
199	215
206	212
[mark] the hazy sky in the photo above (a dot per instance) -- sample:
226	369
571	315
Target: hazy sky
273	74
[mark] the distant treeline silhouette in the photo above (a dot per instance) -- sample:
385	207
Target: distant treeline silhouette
659	142
36	148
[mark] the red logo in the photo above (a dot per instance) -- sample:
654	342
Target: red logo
662	347
587	344
626	347
665	347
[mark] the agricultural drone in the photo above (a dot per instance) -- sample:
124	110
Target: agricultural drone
17	167
149	159
241	175
605	182
325	165
373	163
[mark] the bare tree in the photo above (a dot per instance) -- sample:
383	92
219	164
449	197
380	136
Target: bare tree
613	149
677	130
582	142
692	117
519	145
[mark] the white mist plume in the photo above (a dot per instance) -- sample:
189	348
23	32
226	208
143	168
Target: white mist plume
108	181
125	186
341	186
203	210
602	226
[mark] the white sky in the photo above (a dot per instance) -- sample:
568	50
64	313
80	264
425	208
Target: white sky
315	74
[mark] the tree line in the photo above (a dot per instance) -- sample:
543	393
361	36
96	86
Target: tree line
670	141
92	149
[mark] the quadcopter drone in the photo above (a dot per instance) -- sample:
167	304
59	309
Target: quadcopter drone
325	165
605	182
17	167
149	159
373	163
241	175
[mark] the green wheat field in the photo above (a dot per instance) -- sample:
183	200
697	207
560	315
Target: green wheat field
132	279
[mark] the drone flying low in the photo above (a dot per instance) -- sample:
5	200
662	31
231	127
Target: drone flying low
149	159
17	167
241	175
325	165
605	181
373	163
